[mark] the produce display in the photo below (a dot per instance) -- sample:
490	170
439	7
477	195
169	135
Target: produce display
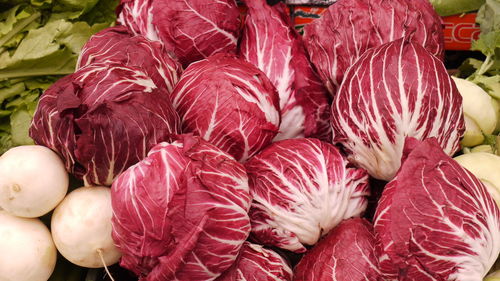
201	140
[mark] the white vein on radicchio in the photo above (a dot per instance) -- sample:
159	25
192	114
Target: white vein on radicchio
117	45
256	263
393	91
271	43
192	29
350	27
435	220
301	189
230	103
181	213
102	119
345	254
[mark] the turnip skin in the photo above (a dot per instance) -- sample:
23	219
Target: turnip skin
27	252
473	135
33	180
81	227
477	105
486	167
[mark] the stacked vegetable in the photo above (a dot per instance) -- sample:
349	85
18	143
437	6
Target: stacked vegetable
208	157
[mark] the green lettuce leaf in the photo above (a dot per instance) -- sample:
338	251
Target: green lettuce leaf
50	50
488	16
486	73
80	5
40	41
5	142
103	12
491	84
20	122
19	103
454	7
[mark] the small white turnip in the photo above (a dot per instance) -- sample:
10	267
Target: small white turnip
477	105
33	180
81	227
486	167
27	252
473	135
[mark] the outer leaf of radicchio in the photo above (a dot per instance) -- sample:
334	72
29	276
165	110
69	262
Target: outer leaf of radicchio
350	27
117	45
181	213
102	119
394	91
271	43
256	263
230	103
301	189
192	29
345	254
435	220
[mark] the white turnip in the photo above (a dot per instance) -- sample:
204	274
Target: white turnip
81	227
479	111
33	180
486	167
27	252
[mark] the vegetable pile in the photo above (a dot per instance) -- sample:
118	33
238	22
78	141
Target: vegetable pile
187	142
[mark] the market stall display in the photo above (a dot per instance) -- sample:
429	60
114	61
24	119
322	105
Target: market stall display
249	140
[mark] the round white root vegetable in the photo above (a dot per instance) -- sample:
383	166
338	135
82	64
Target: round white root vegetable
482	148
496	106
473	135
477	105
486	167
27	252
33	180
81	227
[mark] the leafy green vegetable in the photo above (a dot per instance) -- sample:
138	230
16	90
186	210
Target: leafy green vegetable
454	7
488	16
83	6
486	73
491	84
103	12
40	41
19	102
